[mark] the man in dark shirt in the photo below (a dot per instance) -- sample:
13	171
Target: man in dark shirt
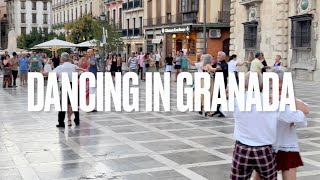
224	69
56	60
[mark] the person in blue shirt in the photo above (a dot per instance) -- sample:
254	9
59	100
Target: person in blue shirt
23	65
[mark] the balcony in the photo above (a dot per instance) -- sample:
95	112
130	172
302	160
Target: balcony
224	17
132	32
132	5
249	2
172	20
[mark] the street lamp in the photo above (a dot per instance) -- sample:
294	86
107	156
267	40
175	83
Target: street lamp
104	41
204	26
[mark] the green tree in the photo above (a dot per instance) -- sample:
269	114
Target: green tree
27	41
88	27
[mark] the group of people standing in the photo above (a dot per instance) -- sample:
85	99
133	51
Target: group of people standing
22	64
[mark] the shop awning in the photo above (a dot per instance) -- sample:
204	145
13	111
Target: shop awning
156	41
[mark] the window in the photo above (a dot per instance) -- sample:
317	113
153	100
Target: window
45	5
140	21
45	19
60	17
134	23
120	18
45	30
76	13
23	5
23	18
85	9
68	16
301	31
34	29
114	15
34	18
23	30
250	35
80	10
64	16
91	7
188	5
71	14
34	5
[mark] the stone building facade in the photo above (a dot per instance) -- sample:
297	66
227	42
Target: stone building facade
65	11
25	16
4	29
278	27
172	26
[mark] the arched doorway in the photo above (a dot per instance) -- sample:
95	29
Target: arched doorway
178	45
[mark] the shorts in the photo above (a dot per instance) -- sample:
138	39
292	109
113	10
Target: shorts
23	72
177	66
168	68
35	69
288	160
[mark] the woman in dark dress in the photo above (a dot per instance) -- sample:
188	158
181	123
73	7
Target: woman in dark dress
114	68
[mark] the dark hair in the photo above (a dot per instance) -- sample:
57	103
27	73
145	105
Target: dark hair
14	54
119	55
258	54
233	56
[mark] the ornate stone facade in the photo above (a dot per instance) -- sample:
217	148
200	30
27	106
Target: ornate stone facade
283	27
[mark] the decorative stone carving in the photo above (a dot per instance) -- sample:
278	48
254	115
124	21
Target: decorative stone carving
253	13
250	2
304	6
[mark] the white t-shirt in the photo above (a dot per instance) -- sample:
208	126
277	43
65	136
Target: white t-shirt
65	68
287	138
158	57
198	66
257	128
232	66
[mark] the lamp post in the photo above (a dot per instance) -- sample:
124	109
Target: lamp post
104	42
204	27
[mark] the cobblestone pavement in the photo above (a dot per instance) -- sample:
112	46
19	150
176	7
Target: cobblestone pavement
135	146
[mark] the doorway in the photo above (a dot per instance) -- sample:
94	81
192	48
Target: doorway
179	45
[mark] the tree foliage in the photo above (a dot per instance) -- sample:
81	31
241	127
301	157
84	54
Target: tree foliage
88	27
27	41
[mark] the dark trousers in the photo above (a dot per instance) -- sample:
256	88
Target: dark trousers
219	96
62	114
15	75
158	65
140	69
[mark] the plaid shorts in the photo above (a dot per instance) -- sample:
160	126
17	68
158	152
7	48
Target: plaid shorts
248	158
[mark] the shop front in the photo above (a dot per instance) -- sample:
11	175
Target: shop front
181	38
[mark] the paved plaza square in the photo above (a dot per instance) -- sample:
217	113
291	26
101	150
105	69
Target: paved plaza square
134	146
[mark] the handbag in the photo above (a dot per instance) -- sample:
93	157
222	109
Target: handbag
6	71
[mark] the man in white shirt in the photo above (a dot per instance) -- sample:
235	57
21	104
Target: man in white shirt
66	67
133	62
157	58
255	132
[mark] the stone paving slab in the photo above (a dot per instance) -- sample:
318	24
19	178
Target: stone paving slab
133	146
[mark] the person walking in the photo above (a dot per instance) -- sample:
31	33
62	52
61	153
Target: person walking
14	64
157	57
66	67
23	65
256	64
233	64
133	63
178	63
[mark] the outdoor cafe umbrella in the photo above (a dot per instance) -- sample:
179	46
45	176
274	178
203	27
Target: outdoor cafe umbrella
54	45
91	43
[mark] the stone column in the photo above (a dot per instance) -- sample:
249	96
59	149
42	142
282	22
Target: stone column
232	26
281	47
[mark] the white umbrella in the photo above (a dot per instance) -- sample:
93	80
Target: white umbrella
91	43
54	45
